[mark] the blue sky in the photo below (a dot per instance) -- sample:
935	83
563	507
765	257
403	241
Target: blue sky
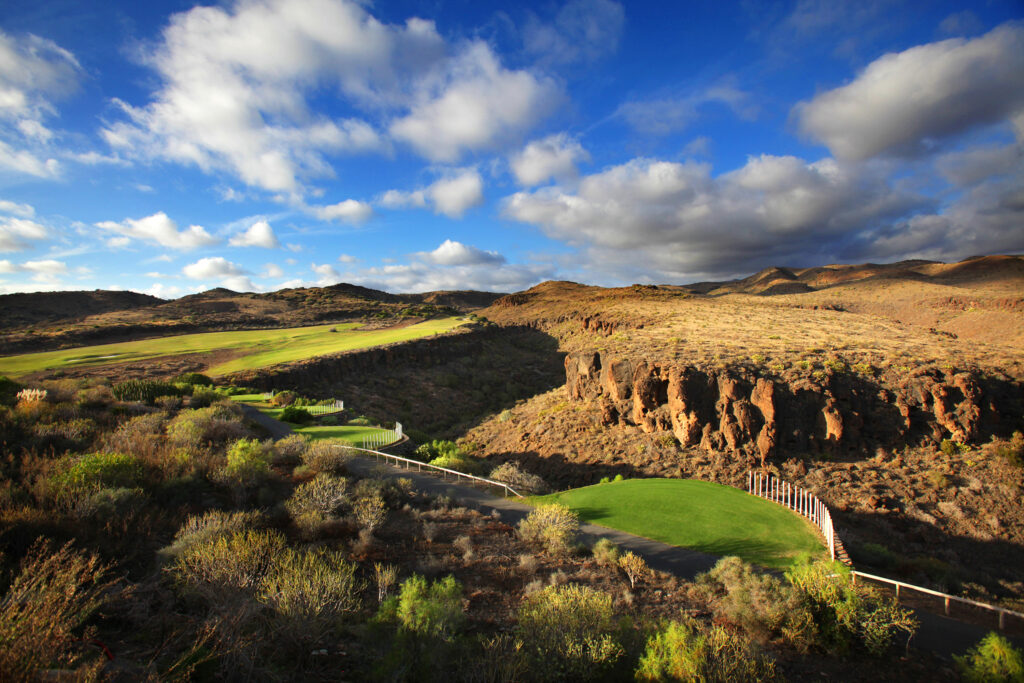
167	147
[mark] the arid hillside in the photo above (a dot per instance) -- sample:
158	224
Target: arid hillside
56	320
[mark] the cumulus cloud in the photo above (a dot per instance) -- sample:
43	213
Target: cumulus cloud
45	270
28	163
904	103
259	234
15	209
347	258
212	268
451	253
349	211
272	270
14	233
160	229
473	104
555	156
582	31
674	219
226	102
326	274
456	192
423	277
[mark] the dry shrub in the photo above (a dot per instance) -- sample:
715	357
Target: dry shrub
239	560
317	502
216	424
370	511
289	450
552	527
385	576
606	553
204	528
634	567
327	455
311	589
509	473
49	601
142	435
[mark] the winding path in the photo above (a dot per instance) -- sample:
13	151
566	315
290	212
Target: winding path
938	634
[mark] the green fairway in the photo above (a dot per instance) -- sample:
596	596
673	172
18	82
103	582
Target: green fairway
711	518
256	348
352	434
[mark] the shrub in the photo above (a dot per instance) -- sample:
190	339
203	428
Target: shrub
143	390
606	553
323	496
296	415
31	396
681	651
248	462
193	378
992	659
950	447
206	527
460	462
845	612
283	398
552	527
312	589
433	610
49	600
762	605
201	398
216	424
238	560
96	470
509	473
384	576
64	434
571	631
327	455
289	450
436	449
370	511
105	503
361	421
1012	450
634	567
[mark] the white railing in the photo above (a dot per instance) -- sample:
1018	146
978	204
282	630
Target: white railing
326	409
947	598
384	437
420	466
797	499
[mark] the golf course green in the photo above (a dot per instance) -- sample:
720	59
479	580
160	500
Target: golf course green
254	348
711	518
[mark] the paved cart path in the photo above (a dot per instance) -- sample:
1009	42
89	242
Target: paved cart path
939	634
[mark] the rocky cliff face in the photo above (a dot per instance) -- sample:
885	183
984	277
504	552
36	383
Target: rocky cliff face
738	411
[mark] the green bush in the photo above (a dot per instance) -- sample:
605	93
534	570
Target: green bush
283	398
681	651
216	424
193	378
296	415
204	528
238	560
437	449
570	632
846	613
96	470
248	462
553	527
992	659
424	609
143	390
606	553
460	462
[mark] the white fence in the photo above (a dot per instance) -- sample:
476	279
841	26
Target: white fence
326	409
409	464
799	500
384	437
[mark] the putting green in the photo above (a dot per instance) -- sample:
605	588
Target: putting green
256	348
353	434
711	518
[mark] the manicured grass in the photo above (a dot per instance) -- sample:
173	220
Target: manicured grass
256	348
711	518
352	434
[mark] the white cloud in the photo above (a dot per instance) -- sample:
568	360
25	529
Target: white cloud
15	231
474	104
667	115
119	242
259	234
326	273
160	229
46	270
294	248
700	146
349	211
163	291
455	194
347	258
673	219
272	270
582	31
27	163
239	283
422	277
555	156
212	268
451	253
227	102
457	191
904	103
15	209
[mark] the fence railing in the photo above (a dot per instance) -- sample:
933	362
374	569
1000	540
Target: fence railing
797	499
326	409
409	464
947	598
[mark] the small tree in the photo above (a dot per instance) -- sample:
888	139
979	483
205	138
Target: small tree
553	527
992	659
634	567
